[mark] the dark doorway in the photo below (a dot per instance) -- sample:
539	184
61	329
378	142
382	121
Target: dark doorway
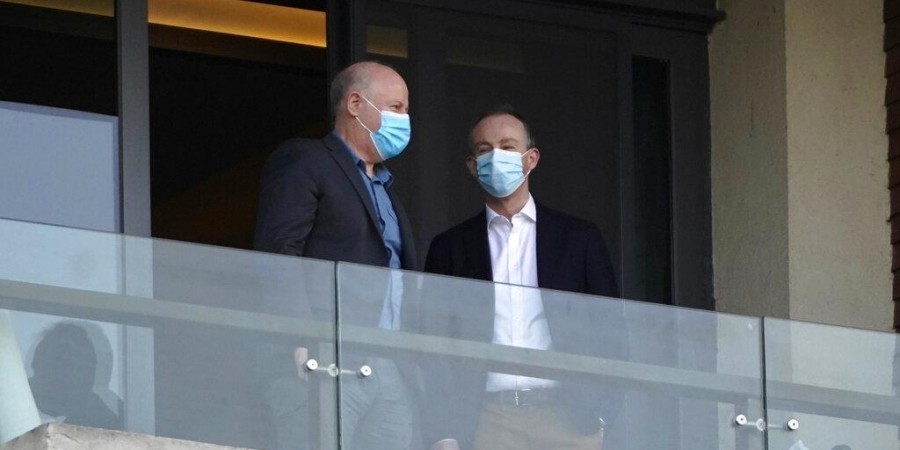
59	58
219	104
466	64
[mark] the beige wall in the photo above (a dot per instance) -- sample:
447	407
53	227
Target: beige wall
838	201
749	161
799	171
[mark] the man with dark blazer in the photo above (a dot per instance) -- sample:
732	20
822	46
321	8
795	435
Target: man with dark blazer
317	198
517	241
332	199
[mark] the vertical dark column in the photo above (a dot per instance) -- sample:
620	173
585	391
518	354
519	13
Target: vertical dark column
345	34
651	177
692	273
689	161
134	200
428	203
134	116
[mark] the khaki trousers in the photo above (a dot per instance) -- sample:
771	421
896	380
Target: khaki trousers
537	427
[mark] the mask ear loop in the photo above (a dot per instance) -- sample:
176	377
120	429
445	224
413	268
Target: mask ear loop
369	102
523	156
363	125
371	133
360	121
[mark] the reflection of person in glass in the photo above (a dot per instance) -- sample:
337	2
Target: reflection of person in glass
517	241
333	199
65	367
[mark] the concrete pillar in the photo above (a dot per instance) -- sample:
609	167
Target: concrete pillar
749	159
799	171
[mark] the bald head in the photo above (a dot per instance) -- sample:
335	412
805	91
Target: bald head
358	77
359	95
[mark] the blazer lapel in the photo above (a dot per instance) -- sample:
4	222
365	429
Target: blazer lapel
338	151
477	249
548	246
478	258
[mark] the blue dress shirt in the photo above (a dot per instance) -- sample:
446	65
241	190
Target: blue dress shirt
389	226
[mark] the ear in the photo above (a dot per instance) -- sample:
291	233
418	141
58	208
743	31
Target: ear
472	165
354	103
531	159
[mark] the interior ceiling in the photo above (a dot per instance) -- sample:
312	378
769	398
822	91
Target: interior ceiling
291	21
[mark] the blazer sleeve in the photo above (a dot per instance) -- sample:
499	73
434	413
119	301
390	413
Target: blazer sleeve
288	201
600	278
438	259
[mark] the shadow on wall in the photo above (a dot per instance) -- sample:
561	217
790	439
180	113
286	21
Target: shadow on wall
72	367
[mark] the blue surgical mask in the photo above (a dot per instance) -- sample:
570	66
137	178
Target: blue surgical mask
394	134
500	171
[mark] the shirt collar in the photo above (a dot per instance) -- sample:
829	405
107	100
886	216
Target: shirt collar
382	174
529	211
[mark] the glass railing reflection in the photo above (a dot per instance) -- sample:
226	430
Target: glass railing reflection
831	387
272	352
617	374
170	339
18	412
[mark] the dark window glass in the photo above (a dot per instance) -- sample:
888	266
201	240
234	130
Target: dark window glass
223	94
563	80
652	181
229	80
56	56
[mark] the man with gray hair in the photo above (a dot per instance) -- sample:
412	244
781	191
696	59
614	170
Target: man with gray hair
332	199
313	191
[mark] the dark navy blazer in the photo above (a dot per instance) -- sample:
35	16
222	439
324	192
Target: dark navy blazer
571	256
313	203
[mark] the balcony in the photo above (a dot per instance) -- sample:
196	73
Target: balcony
264	351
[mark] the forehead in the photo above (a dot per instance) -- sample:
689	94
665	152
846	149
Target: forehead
496	128
388	86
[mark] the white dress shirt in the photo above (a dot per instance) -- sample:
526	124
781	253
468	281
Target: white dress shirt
518	312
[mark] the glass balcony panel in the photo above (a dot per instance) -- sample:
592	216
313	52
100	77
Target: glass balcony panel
72	173
652	376
706	374
211	344
838	384
167	338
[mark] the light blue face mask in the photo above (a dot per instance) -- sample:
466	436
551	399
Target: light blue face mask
394	134
500	171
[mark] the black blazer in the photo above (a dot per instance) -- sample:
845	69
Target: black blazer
313	203
571	256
